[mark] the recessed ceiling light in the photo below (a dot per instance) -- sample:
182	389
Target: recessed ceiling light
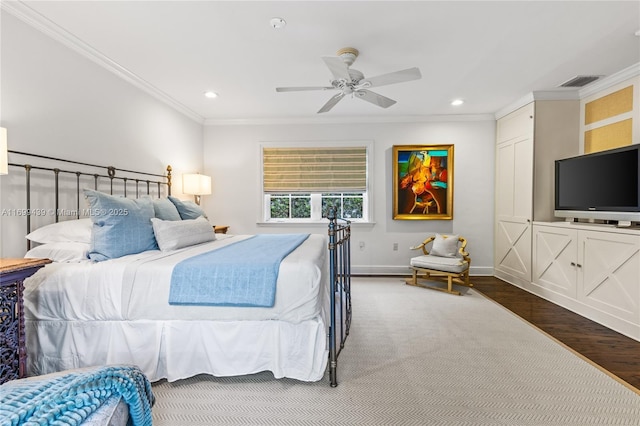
278	23
457	102
211	94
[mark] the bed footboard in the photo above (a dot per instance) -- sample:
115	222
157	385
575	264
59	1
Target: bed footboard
340	276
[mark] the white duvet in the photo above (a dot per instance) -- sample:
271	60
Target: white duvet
136	287
117	312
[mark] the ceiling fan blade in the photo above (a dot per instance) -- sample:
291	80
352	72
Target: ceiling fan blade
394	77
298	89
338	68
374	98
331	102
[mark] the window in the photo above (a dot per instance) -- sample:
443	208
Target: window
300	184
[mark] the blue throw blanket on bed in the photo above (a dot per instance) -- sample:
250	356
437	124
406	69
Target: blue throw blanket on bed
240	274
70	398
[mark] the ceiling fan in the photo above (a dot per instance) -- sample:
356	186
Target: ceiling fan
352	82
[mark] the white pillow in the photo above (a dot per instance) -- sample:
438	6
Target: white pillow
173	234
76	230
445	246
68	251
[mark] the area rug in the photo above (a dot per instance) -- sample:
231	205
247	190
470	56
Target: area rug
418	357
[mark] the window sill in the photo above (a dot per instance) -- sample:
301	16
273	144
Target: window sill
322	223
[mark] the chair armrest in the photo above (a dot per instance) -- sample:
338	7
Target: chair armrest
423	245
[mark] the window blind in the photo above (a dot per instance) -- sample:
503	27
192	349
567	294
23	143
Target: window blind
333	169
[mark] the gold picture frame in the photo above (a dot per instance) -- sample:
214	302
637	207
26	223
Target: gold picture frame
423	182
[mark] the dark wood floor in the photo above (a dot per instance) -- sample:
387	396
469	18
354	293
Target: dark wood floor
616	353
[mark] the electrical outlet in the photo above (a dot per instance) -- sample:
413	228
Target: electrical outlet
361	245
395	246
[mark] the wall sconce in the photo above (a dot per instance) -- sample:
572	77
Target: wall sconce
196	185
4	156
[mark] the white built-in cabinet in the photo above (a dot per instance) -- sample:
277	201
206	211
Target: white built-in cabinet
593	270
514	195
528	140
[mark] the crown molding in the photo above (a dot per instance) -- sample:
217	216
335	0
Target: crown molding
348	120
612	80
539	95
34	19
572	94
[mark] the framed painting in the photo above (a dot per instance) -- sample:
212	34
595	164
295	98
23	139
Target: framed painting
422	182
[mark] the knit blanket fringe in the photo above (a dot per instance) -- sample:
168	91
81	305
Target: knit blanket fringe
68	399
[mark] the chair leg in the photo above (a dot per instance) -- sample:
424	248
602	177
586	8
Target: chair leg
414	278
436	277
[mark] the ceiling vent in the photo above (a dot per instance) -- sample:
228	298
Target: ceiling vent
580	81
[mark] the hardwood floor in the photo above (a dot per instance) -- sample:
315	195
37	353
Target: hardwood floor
616	353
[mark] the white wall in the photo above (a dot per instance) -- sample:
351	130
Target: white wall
58	103
231	157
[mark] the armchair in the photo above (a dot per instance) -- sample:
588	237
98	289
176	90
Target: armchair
447	261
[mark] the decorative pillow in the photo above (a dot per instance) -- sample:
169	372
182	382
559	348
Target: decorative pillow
172	235
165	209
68	251
76	230
445	246
187	209
121	226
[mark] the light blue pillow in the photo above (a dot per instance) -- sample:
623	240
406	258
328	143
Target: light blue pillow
165	209
121	226
187	209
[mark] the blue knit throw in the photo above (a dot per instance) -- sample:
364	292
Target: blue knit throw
244	273
70	398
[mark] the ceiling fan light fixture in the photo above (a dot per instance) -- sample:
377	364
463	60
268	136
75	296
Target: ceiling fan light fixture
352	82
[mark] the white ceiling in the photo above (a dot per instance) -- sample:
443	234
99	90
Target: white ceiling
488	53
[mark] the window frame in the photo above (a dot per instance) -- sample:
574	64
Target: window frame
316	197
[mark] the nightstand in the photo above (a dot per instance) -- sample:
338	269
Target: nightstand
13	272
221	229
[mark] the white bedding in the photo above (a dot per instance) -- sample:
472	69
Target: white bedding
117	311
137	287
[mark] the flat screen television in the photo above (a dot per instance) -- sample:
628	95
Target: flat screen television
603	186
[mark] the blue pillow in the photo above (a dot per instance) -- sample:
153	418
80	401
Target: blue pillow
121	226
165	209
187	209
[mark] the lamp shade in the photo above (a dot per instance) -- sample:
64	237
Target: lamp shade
196	184
4	156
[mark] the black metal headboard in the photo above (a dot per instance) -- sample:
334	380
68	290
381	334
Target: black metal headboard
143	181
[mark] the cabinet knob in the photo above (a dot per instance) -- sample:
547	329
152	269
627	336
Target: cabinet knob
579	265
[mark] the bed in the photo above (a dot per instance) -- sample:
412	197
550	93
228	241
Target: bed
83	312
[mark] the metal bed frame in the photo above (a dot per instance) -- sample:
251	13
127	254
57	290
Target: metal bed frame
339	231
340	276
110	174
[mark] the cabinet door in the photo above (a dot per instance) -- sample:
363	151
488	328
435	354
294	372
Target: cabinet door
513	251
555	253
608	273
514	174
514	179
